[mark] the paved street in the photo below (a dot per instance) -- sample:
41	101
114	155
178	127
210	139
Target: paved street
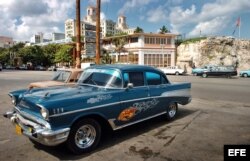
218	114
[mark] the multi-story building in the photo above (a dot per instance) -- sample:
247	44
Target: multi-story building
37	38
6	42
156	50
70	28
108	27
57	36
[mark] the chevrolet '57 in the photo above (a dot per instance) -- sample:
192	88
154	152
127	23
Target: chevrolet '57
109	95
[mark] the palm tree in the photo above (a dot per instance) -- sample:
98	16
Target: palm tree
138	30
163	30
119	45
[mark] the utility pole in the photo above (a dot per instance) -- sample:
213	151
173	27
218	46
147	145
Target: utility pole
98	7
78	35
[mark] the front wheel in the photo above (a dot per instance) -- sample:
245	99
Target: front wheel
177	73
84	136
172	111
245	75
204	75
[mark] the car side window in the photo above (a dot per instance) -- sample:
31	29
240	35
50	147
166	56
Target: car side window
136	78
153	78
164	80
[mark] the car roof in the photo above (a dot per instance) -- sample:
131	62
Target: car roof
125	67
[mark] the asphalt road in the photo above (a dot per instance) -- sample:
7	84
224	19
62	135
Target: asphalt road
218	114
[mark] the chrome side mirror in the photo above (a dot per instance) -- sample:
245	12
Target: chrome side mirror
130	85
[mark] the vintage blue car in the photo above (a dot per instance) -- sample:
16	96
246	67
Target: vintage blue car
113	96
245	73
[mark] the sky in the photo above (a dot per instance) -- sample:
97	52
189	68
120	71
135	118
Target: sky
20	19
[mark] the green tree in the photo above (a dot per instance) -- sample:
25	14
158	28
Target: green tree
49	52
138	30
33	54
163	30
119	45
105	58
63	54
73	38
4	56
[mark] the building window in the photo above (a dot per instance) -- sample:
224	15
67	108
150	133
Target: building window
157	60
158	41
134	39
163	41
168	41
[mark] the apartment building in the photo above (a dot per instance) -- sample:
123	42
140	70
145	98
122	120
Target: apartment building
6	42
156	50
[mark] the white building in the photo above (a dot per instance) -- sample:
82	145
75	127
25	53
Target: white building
108	27
156	50
37	38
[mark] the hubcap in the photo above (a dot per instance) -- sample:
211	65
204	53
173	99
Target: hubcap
245	75
85	136
172	110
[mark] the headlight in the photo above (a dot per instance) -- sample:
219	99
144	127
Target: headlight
13	100
44	113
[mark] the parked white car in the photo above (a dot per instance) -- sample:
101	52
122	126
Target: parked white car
172	70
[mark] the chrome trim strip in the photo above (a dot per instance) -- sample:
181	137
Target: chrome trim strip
110	104
95	107
111	121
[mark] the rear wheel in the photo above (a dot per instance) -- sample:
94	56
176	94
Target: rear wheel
172	111
177	73
245	75
84	136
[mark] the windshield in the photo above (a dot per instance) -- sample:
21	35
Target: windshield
101	77
61	76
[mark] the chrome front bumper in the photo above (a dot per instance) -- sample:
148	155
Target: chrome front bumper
37	131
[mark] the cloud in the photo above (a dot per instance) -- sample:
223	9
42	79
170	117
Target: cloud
131	4
179	17
211	27
157	15
102	1
211	18
103	16
22	19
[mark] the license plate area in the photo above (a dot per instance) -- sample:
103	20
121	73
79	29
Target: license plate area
18	130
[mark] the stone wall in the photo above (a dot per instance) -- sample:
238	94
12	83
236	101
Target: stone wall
215	51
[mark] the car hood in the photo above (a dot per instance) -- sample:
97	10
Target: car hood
58	93
66	98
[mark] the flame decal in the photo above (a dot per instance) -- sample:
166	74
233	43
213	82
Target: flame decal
127	114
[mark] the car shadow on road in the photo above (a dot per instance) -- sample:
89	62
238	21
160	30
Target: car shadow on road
111	138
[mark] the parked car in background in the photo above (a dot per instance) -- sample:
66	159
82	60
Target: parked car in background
245	73
52	68
172	70
23	67
198	71
61	77
10	67
114	96
227	71
39	67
